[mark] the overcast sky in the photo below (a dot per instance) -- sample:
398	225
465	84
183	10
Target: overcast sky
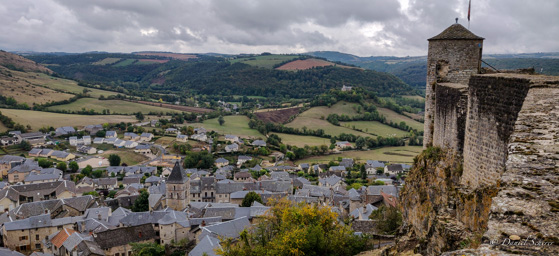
360	27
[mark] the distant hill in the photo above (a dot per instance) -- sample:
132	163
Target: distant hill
413	70
19	63
250	75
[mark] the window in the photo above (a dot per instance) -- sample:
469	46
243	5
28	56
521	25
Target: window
21	238
37	246
37	237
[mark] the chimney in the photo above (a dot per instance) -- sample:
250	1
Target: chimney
99	216
203	223
140	234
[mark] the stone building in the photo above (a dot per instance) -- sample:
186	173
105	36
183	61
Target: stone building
178	189
453	56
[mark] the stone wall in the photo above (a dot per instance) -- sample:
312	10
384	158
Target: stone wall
451	106
493	106
448	61
527	204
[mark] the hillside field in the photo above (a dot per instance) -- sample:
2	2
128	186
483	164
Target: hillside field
397	118
235	125
3	128
61	84
115	106
376	128
312	119
308	64
301	141
391	154
26	89
39	119
264	61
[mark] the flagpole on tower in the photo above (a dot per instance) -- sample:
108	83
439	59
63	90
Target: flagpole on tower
469	8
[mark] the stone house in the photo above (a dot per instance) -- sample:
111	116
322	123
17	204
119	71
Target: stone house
130	144
107	183
87	150
7	141
393	169
232	148
182	138
146	136
258	143
340	145
119	143
9	199
116	242
143	149
220	162
34	138
26	235
65	130
93	129
243	159
44	175
7	162
232	138
19	172
45	191
131	136
177	189
242	176
372	165
110	134
62	156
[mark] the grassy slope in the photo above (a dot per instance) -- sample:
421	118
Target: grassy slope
376	128
39	119
397	118
391	154
236	125
26	87
115	106
125	62
267	61
301	141
311	119
106	61
64	84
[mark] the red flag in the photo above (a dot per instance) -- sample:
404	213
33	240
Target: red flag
469	7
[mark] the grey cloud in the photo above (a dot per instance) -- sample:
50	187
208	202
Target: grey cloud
233	26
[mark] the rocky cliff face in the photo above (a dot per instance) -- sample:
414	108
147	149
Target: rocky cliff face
441	215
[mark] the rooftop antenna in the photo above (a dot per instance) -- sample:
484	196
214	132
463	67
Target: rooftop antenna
456	20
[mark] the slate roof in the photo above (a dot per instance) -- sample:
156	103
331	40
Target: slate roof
388	189
259	143
281	175
206	246
107	181
331	181
152	179
456	32
375	164
130	180
28	166
110	134
35	151
9	158
87	248
337	168
394	168
221	160
177	176
141	218
73	240
38	190
29	223
8	252
365	211
142	146
123	236
10	193
27	210
153	199
80	203
228	229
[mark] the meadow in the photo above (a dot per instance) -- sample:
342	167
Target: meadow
61	84
125	62
265	61
397	118
115	106
38	119
376	128
403	154
106	61
235	125
301	141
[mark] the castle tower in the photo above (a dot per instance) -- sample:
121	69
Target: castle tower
453	56
177	189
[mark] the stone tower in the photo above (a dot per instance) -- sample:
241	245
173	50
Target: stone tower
178	189
453	56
